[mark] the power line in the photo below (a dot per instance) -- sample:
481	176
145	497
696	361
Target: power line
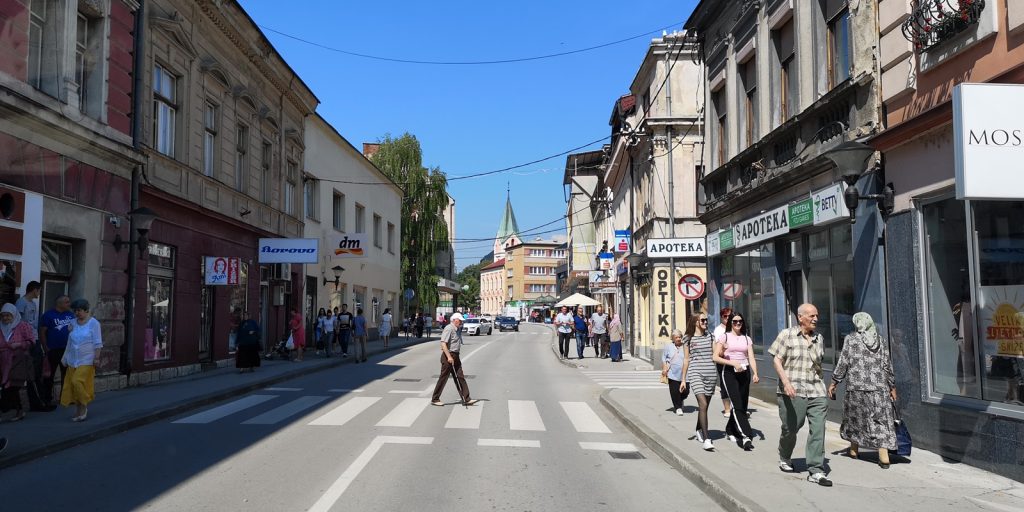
465	62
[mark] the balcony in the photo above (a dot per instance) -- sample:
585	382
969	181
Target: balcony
933	22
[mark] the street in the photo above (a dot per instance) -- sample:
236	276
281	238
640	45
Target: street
364	437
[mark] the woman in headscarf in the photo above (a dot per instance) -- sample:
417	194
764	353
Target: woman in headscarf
247	354
17	338
84	344
868	414
615	335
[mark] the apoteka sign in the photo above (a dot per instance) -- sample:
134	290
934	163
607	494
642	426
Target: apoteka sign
988	140
767	225
676	248
288	250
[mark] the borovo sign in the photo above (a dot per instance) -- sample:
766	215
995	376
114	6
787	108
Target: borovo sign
289	250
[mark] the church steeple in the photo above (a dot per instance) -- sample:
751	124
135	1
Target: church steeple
508	228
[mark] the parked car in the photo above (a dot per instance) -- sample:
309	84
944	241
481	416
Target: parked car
507	323
477	326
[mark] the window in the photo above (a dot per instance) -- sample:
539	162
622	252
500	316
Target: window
722	140
43	53
360	218
560	253
55	270
81	48
241	157
164	110
376	231
288	195
391	238
786	79
266	163
338	208
159	302
89	64
748	80
209	139
309	196
839	48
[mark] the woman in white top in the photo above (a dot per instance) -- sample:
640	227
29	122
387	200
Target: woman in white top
84	344
385	327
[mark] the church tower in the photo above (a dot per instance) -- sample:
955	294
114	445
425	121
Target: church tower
508	230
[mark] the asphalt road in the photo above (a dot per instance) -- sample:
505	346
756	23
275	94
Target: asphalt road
364	437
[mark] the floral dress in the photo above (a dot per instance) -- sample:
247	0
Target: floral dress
868	414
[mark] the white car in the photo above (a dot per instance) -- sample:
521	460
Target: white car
477	326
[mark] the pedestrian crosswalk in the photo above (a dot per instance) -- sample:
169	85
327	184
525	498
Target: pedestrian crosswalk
391	411
625	379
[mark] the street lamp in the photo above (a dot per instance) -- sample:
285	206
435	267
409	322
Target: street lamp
337	276
142	219
849	157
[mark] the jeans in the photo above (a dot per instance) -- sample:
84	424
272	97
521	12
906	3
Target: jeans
793	412
581	340
563	343
327	340
343	336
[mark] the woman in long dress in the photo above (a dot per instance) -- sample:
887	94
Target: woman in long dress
15	362
385	327
868	414
247	352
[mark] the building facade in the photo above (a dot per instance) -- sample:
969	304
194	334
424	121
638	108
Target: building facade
530	272
954	256
493	288
345	194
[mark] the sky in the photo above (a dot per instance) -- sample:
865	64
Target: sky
473	118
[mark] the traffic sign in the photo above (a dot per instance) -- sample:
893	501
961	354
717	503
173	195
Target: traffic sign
409	293
731	291
691	286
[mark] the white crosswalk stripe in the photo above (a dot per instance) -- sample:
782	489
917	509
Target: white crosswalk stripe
285	411
466	417
405	414
584	419
211	415
523	415
625	379
343	413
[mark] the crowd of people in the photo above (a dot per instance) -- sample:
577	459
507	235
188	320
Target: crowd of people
599	330
700	359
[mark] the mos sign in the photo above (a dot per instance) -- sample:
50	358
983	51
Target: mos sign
988	140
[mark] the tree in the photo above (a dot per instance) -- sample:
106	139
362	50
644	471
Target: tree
426	197
470	277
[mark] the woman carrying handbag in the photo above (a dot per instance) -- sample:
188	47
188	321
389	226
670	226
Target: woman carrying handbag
672	358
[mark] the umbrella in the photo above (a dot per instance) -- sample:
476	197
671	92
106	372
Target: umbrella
577	299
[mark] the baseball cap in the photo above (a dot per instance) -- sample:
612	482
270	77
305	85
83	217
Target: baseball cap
456	316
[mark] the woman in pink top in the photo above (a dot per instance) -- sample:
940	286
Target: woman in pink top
298	333
734	351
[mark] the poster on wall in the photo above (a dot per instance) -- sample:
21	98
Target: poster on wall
221	271
1002	320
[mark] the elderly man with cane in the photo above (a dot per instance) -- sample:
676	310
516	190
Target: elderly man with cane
451	366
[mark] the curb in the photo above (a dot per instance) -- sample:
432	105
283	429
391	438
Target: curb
558	355
718	490
157	414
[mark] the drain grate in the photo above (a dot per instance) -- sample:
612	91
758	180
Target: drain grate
408	380
626	455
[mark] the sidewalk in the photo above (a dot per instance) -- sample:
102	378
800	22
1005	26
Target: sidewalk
45	433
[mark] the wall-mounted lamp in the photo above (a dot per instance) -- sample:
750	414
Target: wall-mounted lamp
142	218
337	276
850	157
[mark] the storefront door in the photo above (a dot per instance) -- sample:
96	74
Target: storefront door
206	309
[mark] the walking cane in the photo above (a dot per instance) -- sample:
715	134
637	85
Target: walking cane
458	386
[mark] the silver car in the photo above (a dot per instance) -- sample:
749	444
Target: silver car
477	326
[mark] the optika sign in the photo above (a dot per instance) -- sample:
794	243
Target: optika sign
762	227
350	246
988	140
289	250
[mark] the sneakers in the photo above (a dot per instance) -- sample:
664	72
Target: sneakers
747	445
700	437
786	465
820	479
708	445
731	438
679	412
471	402
437	403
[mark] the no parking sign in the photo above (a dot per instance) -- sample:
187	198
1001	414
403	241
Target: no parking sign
691	286
730	291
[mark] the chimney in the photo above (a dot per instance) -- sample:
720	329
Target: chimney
370	149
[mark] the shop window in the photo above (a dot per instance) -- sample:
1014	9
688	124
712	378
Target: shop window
239	298
55	271
741	280
160	302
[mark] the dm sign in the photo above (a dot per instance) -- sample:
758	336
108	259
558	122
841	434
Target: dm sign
349	246
988	140
763	227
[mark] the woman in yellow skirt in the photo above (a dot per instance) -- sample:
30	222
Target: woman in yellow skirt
84	344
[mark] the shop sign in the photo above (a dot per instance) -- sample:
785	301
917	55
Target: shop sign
579	274
763	227
289	250
350	246
621	241
600	279
726	240
663	289
622	267
606	259
801	214
988	137
1002	320
829	204
221	271
713	245
675	248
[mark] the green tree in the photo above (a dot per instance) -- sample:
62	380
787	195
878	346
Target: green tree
423	228
470	277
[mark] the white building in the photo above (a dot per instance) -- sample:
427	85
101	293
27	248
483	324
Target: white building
345	194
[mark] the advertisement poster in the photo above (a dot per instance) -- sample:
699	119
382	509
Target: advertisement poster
1002	320
221	271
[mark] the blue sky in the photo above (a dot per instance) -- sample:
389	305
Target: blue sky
472	119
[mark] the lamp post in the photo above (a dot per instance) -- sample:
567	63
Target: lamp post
337	269
850	157
140	221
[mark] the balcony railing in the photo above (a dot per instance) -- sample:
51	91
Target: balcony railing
933	22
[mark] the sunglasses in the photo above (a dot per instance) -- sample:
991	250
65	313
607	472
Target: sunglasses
702	320
737	322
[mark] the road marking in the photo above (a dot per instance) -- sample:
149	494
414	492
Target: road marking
523	415
287	410
334	492
405	413
608	447
404	392
344	390
512	443
584	419
465	417
640	387
484	345
341	414
229	408
282	389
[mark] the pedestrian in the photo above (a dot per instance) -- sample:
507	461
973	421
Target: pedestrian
329	322
734	351
699	372
563	324
869	416
84	344
579	325
16	343
247	352
54	327
672	357
616	335
27	306
298	332
419	324
359	332
318	331
451	344
599	328
29	310
385	327
721	329
797	354
344	328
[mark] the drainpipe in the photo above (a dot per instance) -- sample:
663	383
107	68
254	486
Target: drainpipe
127	347
632	272
671	180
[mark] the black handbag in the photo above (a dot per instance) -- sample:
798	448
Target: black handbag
904	444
